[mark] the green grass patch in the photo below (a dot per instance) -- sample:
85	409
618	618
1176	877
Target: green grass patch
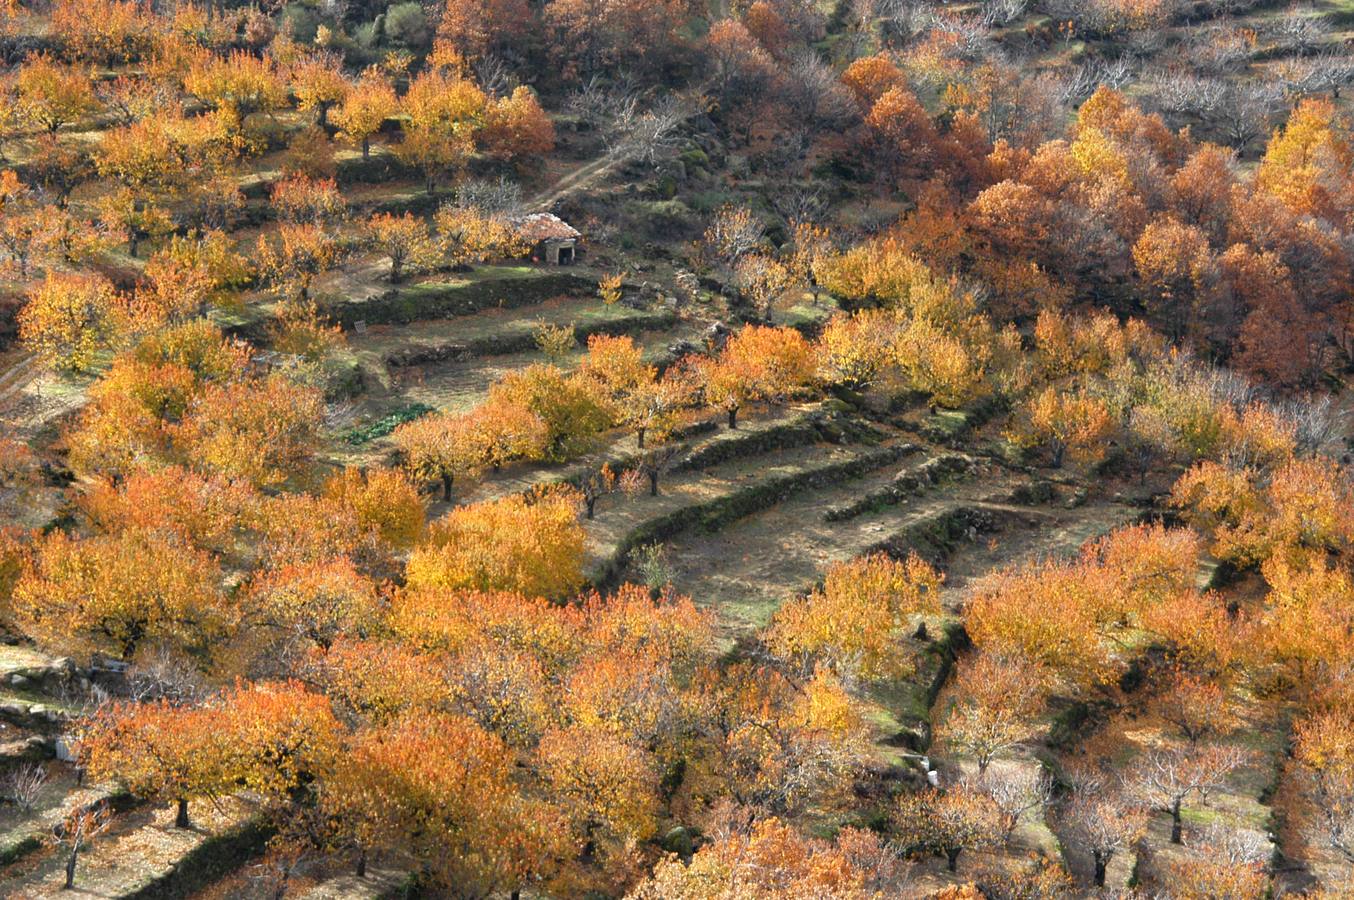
356	437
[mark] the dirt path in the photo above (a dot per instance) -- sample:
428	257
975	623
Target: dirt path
17	376
591	172
577	179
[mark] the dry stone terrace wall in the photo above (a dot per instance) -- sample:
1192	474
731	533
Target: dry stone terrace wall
434	300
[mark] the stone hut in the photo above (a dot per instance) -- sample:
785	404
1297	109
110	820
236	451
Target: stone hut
553	240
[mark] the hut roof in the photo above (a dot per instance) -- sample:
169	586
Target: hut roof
546	227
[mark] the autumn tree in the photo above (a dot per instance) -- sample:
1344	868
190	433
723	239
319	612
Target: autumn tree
758	364
567	403
186	277
1177	270
208	513
946	822
444	112
296	606
364	108
69	318
475	28
1198	709
296	255
381	500
607	788
439	791
765	858
404	239
855	624
470	236
438	448
1049	615
318	83
160	752
769	742
1066	421
902	134
1307	161
238	84
990	707
303	200
528	544
856	351
639	398
156	162
52	94
1323	759
516	128
116	593
263	431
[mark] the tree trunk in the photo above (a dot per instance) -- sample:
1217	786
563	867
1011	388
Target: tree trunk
362	863
431	184
70	868
591	503
181	820
366	148
952	856
733	417
446	488
639	436
653	484
1059	448
1102	861
396	269
1176	826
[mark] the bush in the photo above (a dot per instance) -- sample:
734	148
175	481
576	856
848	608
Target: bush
407	25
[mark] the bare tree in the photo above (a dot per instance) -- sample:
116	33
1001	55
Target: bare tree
1246	110
817	94
654	463
800	204
1180	91
499	198
163	674
1235	846
903	21
650	136
1324	70
1015	791
1167	778
596	105
1103	820
24	785
1094	74
494	76
81	826
1316	421
1002	12
1219	49
1299	29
